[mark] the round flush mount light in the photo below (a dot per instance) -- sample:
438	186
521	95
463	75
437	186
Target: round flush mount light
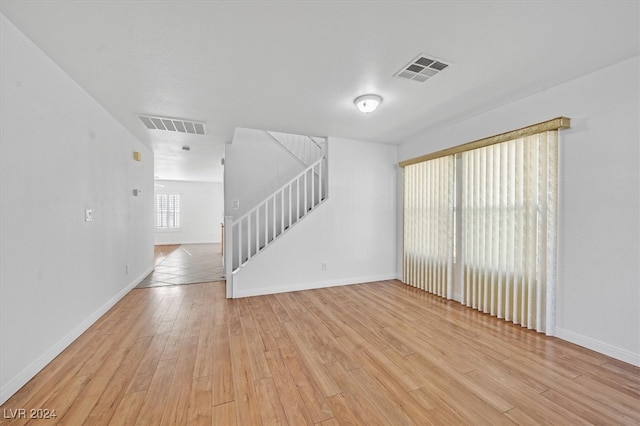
367	103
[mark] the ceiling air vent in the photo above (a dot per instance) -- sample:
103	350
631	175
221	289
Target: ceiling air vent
173	125
421	69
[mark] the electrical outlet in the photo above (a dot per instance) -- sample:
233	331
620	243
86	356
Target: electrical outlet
88	215
323	266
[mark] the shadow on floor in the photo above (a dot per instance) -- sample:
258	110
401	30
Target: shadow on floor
185	264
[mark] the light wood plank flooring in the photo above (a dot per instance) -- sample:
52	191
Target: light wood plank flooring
378	353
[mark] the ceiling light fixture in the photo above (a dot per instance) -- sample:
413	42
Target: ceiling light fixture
367	103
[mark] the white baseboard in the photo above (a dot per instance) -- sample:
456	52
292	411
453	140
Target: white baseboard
184	242
239	292
34	368
598	346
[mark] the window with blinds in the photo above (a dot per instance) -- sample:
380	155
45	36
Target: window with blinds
429	225
509	194
168	211
502	203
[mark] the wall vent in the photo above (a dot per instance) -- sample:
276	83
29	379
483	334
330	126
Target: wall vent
173	125
422	68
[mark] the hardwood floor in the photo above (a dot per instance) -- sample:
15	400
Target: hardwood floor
378	353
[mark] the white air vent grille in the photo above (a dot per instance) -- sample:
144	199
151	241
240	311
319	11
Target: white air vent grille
173	125
421	69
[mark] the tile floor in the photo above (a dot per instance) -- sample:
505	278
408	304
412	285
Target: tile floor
186	264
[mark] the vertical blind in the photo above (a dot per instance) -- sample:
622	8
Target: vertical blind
507	191
509	208
168	210
428	225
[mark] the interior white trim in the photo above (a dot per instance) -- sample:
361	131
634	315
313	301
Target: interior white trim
187	242
598	346
28	373
240	292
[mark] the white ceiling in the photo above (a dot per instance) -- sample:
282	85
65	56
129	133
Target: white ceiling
294	66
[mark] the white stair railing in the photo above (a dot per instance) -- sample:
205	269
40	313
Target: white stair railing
260	227
306	149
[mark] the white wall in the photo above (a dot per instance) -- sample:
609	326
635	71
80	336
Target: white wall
255	166
202	212
598	276
62	153
353	231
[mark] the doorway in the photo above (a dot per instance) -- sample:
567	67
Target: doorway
178	264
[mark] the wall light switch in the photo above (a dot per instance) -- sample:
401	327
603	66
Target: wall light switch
88	215
235	204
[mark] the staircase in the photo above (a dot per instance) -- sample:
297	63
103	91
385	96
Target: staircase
253	232
306	149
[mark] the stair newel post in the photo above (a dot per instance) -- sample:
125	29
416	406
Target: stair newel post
228	254
240	240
